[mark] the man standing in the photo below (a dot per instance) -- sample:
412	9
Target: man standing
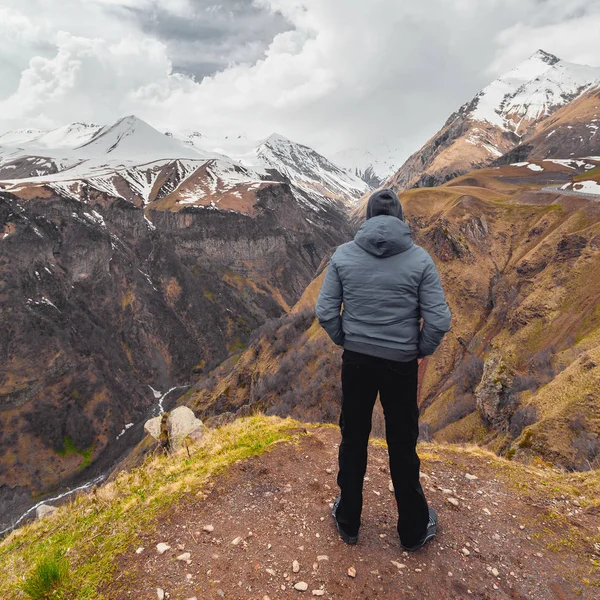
386	284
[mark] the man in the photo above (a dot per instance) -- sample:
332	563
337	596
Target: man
386	284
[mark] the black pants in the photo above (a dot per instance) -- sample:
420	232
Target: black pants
362	378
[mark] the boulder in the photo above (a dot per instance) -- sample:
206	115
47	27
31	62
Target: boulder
153	428
182	423
45	510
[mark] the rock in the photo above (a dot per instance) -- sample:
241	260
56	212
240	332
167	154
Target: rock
496	536
182	422
329	471
452	501
465	552
471	477
296	566
220	593
318	593
45	510
162	547
322	557
152	427
208	528
496	399
301	586
184	557
398	565
160	593
494	572
487	512
236	542
391	486
271	572
351	572
139	550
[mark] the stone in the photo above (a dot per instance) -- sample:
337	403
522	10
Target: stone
322	557
208	528
160	593
487	512
494	572
139	550
352	572
162	547
391	487
466	552
45	510
296	566
184	557
452	501
271	572
236	542
152	427
301	586
181	423
471	477
318	592
398	565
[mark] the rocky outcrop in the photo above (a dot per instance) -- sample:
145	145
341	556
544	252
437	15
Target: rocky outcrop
496	399
171	429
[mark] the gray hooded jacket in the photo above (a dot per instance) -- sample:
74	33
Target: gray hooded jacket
386	284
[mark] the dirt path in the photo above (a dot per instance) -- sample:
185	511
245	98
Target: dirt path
272	510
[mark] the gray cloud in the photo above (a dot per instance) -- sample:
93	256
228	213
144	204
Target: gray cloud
209	37
329	73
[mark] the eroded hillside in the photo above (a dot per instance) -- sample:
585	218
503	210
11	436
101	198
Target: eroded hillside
518	373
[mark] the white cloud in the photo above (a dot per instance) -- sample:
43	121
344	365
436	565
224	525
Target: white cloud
349	73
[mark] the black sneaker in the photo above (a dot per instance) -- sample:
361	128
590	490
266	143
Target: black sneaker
430	533
349	539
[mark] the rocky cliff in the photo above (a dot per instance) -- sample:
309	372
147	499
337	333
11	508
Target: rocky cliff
107	304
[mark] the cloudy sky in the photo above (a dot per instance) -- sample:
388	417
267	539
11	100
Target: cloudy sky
330	73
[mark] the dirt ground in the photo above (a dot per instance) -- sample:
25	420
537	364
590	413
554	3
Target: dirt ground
269	511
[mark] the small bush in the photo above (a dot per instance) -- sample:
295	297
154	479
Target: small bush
48	580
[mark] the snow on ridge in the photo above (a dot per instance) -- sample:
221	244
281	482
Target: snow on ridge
531	91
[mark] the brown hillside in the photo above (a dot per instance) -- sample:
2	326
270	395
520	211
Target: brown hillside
519	372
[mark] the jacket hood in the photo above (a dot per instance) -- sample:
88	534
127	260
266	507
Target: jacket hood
384	236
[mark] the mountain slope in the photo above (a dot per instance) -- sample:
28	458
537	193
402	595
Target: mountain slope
267	506
129	280
500	117
373	167
518	257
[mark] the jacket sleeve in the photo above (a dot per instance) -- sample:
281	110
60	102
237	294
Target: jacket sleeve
329	305
434	310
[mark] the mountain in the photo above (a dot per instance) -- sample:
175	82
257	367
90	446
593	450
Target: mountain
127	269
497	120
517	248
372	166
308	170
572	131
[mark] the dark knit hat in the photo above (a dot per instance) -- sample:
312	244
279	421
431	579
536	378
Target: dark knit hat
384	202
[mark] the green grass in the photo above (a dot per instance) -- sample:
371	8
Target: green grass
69	449
587	174
49	579
98	527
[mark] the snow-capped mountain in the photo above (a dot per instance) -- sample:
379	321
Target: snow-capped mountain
530	92
373	167
132	160
309	170
498	119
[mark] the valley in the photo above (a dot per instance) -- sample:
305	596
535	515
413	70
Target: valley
133	260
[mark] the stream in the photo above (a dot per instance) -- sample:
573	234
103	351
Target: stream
157	410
